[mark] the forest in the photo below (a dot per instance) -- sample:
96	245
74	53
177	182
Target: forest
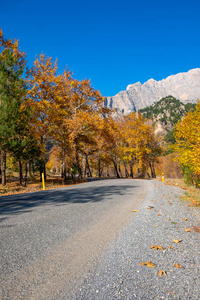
53	123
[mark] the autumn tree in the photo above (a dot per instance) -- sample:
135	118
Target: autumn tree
59	114
85	104
42	92
187	135
112	143
150	150
100	157
139	145
133	129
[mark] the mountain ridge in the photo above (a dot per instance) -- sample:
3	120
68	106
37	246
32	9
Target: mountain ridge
184	86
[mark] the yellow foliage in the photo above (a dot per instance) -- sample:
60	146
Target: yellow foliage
148	263
187	135
160	273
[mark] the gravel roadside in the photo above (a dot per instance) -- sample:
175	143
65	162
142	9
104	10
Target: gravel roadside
160	219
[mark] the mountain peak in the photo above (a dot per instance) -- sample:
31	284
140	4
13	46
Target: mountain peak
183	86
150	81
130	86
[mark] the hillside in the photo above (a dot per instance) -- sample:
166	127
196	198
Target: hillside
165	113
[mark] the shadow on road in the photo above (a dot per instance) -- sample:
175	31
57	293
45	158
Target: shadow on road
22	203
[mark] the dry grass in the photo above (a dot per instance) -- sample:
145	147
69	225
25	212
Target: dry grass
192	194
12	187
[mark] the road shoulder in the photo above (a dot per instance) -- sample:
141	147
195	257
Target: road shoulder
162	218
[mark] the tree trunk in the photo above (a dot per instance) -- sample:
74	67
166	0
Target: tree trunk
119	168
44	171
153	169
26	173
108	175
33	167
100	169
20	173
29	169
41	171
116	170
143	169
78	166
85	171
147	170
65	173
0	172
131	169
62	170
126	171
4	169
88	166
78	162
151	164
99	166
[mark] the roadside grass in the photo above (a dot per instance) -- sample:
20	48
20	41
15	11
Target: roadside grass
12	187
192	194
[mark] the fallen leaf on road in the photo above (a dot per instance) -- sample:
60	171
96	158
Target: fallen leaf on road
160	273
170	293
148	263
159	215
177	241
170	247
187	229
155	225
168	219
135	210
191	205
177	266
196	228
157	248
150	207
185	219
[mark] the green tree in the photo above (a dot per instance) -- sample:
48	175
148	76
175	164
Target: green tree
12	93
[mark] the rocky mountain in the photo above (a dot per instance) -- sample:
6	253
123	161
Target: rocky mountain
183	86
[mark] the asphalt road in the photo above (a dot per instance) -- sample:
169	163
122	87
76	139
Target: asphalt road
50	238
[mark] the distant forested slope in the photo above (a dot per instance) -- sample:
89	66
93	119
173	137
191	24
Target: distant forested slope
168	111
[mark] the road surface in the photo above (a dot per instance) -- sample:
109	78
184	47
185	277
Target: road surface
50	238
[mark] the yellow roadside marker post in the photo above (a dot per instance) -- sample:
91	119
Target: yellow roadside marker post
163	179
43	182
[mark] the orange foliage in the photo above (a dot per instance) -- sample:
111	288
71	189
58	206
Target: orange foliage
168	166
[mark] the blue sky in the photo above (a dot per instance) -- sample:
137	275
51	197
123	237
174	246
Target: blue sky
112	43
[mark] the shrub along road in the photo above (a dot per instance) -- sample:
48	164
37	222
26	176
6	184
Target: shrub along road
84	242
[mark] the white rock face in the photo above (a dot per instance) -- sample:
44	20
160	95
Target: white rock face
183	86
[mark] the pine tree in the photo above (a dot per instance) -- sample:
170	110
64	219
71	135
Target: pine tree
12	93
